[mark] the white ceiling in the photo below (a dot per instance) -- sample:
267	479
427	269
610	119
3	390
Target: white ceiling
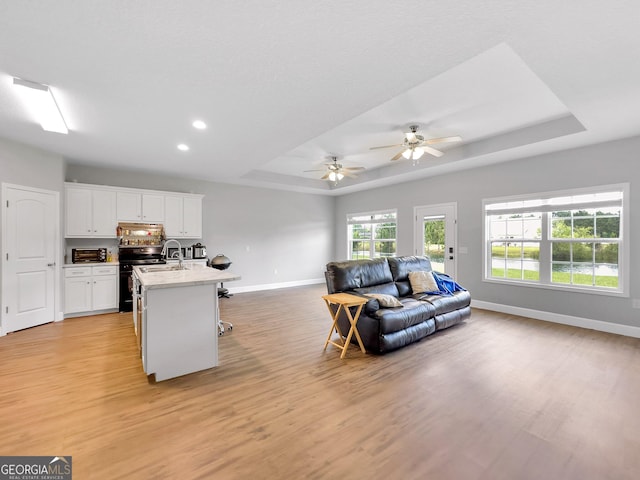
284	84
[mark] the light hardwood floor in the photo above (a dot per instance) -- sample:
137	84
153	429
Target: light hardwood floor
498	397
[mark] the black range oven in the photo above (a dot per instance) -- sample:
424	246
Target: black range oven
128	258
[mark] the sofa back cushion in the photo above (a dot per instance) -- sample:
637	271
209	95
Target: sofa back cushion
388	288
400	268
352	274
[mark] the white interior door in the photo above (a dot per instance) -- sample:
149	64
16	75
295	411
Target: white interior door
29	244
435	236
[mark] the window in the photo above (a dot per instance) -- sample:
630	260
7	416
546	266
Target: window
372	235
568	240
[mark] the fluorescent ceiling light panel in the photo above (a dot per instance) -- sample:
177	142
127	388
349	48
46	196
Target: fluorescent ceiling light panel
40	101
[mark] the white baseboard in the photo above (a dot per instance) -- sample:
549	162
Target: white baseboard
273	286
609	327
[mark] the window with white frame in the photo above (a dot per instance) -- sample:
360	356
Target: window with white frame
372	235
567	240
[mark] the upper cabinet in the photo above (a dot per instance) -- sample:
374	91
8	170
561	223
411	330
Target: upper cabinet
183	216
90	212
140	207
95	210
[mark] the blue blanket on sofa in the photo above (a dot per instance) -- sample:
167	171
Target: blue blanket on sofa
446	285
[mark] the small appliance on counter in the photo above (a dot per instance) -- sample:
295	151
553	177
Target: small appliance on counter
88	255
172	252
198	251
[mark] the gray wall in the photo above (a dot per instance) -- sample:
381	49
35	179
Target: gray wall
296	234
262	231
30	167
609	163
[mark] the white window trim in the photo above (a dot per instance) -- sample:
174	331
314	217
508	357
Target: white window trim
623	266
364	214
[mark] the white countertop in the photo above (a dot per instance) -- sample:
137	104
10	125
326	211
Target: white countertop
195	275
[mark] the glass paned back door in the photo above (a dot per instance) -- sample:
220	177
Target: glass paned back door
435	236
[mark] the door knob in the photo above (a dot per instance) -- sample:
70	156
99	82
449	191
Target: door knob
51	264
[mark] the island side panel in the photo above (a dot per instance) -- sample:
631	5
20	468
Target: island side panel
181	330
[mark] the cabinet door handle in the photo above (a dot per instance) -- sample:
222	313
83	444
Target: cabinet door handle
51	264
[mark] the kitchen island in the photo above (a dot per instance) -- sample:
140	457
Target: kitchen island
176	318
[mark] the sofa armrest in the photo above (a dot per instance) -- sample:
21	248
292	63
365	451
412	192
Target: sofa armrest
372	304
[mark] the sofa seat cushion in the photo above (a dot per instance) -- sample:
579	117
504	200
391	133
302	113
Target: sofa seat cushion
411	313
446	303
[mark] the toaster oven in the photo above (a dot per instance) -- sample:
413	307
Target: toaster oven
88	255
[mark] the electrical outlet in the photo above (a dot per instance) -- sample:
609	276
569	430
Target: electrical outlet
636	303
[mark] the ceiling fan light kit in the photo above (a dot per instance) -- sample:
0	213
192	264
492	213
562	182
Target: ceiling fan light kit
415	145
336	171
413	153
335	176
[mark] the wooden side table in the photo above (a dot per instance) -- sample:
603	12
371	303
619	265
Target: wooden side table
344	301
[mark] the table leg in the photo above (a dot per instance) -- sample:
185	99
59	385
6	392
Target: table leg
333	326
353	320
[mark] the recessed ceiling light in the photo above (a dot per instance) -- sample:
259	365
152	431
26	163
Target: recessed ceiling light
182	147
199	124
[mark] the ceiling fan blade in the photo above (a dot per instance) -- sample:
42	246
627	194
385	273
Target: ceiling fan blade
386	146
432	151
352	168
397	156
325	176
455	138
348	174
305	171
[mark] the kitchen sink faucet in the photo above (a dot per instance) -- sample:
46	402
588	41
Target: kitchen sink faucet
180	257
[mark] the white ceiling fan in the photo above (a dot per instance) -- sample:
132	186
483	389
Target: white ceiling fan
336	171
415	145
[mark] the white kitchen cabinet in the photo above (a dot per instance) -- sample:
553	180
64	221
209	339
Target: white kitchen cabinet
140	207
129	207
91	288
183	216
93	211
77	289
152	208
90	212
105	288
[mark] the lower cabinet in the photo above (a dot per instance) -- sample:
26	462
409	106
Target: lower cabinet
91	288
